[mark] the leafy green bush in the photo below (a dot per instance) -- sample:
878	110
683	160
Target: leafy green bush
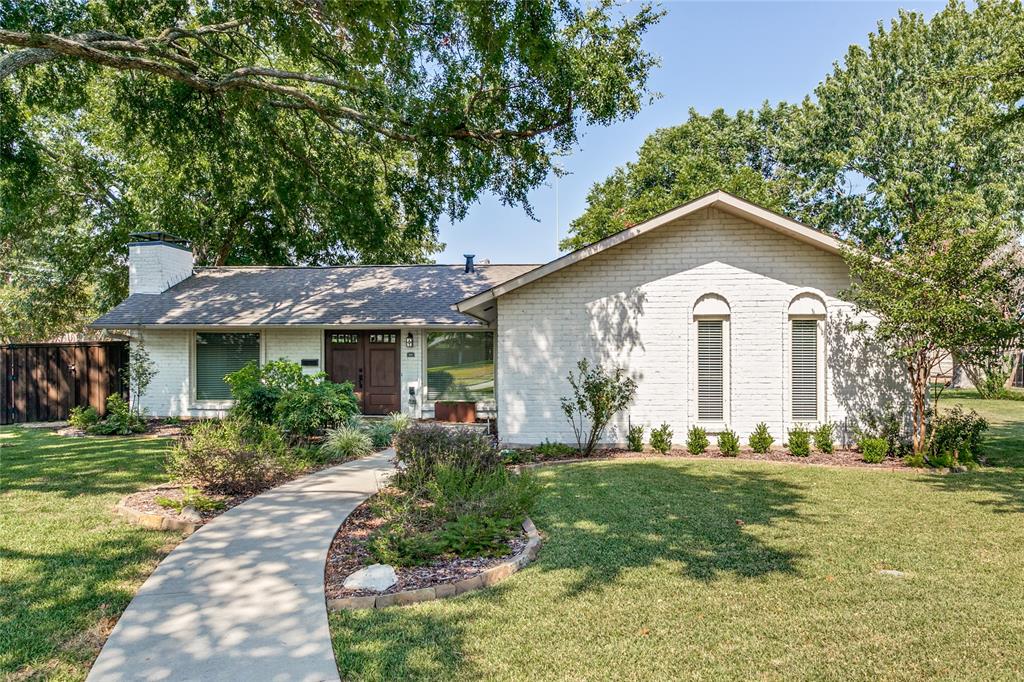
823	438
697	440
381	433
888	425
635	437
551	450
761	440
661	438
346	442
230	456
799	442
729	443
190	497
313	407
956	438
83	417
120	419
421	448
256	389
873	449
597	395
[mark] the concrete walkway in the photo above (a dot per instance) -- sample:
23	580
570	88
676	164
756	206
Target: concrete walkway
243	597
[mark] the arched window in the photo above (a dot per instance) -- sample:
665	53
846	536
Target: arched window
711	313
807	357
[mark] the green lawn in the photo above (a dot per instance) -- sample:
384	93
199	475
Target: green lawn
720	569
68	567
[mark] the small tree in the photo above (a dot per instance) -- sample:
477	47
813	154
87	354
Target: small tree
954	286
598	394
139	372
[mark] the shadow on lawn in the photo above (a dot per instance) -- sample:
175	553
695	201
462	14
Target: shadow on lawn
608	518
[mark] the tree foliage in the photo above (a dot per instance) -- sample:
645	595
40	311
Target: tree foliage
740	154
280	133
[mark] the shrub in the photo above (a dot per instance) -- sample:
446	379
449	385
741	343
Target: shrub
190	497
120	419
915	460
421	448
550	450
598	395
729	443
761	440
256	389
313	407
799	442
873	449
823	438
83	417
230	456
381	433
497	493
346	442
398	421
956	438
635	437
697	440
661	439
888	425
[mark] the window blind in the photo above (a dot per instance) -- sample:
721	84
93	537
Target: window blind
710	365
460	366
221	354
805	370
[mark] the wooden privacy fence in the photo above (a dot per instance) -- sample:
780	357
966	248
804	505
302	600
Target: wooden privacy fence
43	381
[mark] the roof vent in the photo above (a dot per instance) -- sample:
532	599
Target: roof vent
469	262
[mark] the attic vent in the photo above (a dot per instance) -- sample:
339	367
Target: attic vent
469	262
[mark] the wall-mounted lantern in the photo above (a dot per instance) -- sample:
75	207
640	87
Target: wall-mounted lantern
408	340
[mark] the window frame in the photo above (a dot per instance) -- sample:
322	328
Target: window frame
711	307
216	404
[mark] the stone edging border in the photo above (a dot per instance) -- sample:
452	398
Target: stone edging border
492	576
153	521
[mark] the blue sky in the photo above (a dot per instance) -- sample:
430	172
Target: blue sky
733	55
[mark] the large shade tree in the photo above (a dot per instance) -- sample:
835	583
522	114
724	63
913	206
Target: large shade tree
313	131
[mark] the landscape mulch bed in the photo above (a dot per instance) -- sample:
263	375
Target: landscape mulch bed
145	501
154	427
348	554
840	457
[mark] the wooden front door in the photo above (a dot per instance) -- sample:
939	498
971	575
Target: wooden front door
370	361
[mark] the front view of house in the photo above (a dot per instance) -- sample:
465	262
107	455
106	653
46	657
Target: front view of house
725	314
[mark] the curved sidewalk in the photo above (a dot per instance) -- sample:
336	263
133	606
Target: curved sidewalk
243	597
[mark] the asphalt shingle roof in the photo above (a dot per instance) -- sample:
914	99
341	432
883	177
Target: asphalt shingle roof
256	296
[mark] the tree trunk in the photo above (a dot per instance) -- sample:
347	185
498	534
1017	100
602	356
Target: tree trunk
920	374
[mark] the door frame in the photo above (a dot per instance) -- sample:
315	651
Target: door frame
364	360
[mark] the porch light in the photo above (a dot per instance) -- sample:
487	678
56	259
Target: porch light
408	340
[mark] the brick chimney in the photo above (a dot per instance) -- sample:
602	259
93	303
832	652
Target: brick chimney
156	262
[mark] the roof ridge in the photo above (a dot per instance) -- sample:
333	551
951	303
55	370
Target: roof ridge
361	265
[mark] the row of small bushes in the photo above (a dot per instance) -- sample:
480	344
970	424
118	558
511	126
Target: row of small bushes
697	441
452	496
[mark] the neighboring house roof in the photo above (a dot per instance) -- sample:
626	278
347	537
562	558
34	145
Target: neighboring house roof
476	304
353	295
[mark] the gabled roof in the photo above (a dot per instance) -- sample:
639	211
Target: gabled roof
356	295
477	304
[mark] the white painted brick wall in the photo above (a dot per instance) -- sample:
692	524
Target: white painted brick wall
154	267
632	306
412	373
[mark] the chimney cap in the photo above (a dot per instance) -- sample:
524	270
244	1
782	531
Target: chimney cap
166	237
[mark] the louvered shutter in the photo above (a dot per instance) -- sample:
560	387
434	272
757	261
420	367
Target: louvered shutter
710	364
805	370
221	354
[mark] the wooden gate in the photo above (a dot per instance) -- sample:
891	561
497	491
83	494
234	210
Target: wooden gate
43	381
1018	379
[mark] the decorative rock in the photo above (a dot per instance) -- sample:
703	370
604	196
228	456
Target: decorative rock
377	578
191	514
893	573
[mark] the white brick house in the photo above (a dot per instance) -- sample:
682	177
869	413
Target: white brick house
725	313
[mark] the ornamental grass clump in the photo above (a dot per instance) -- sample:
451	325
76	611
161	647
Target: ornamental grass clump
347	442
761	439
728	443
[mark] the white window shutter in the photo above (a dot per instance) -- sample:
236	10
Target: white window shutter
805	370
710	364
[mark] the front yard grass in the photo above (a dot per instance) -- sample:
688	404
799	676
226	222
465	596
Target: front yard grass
719	569
68	567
